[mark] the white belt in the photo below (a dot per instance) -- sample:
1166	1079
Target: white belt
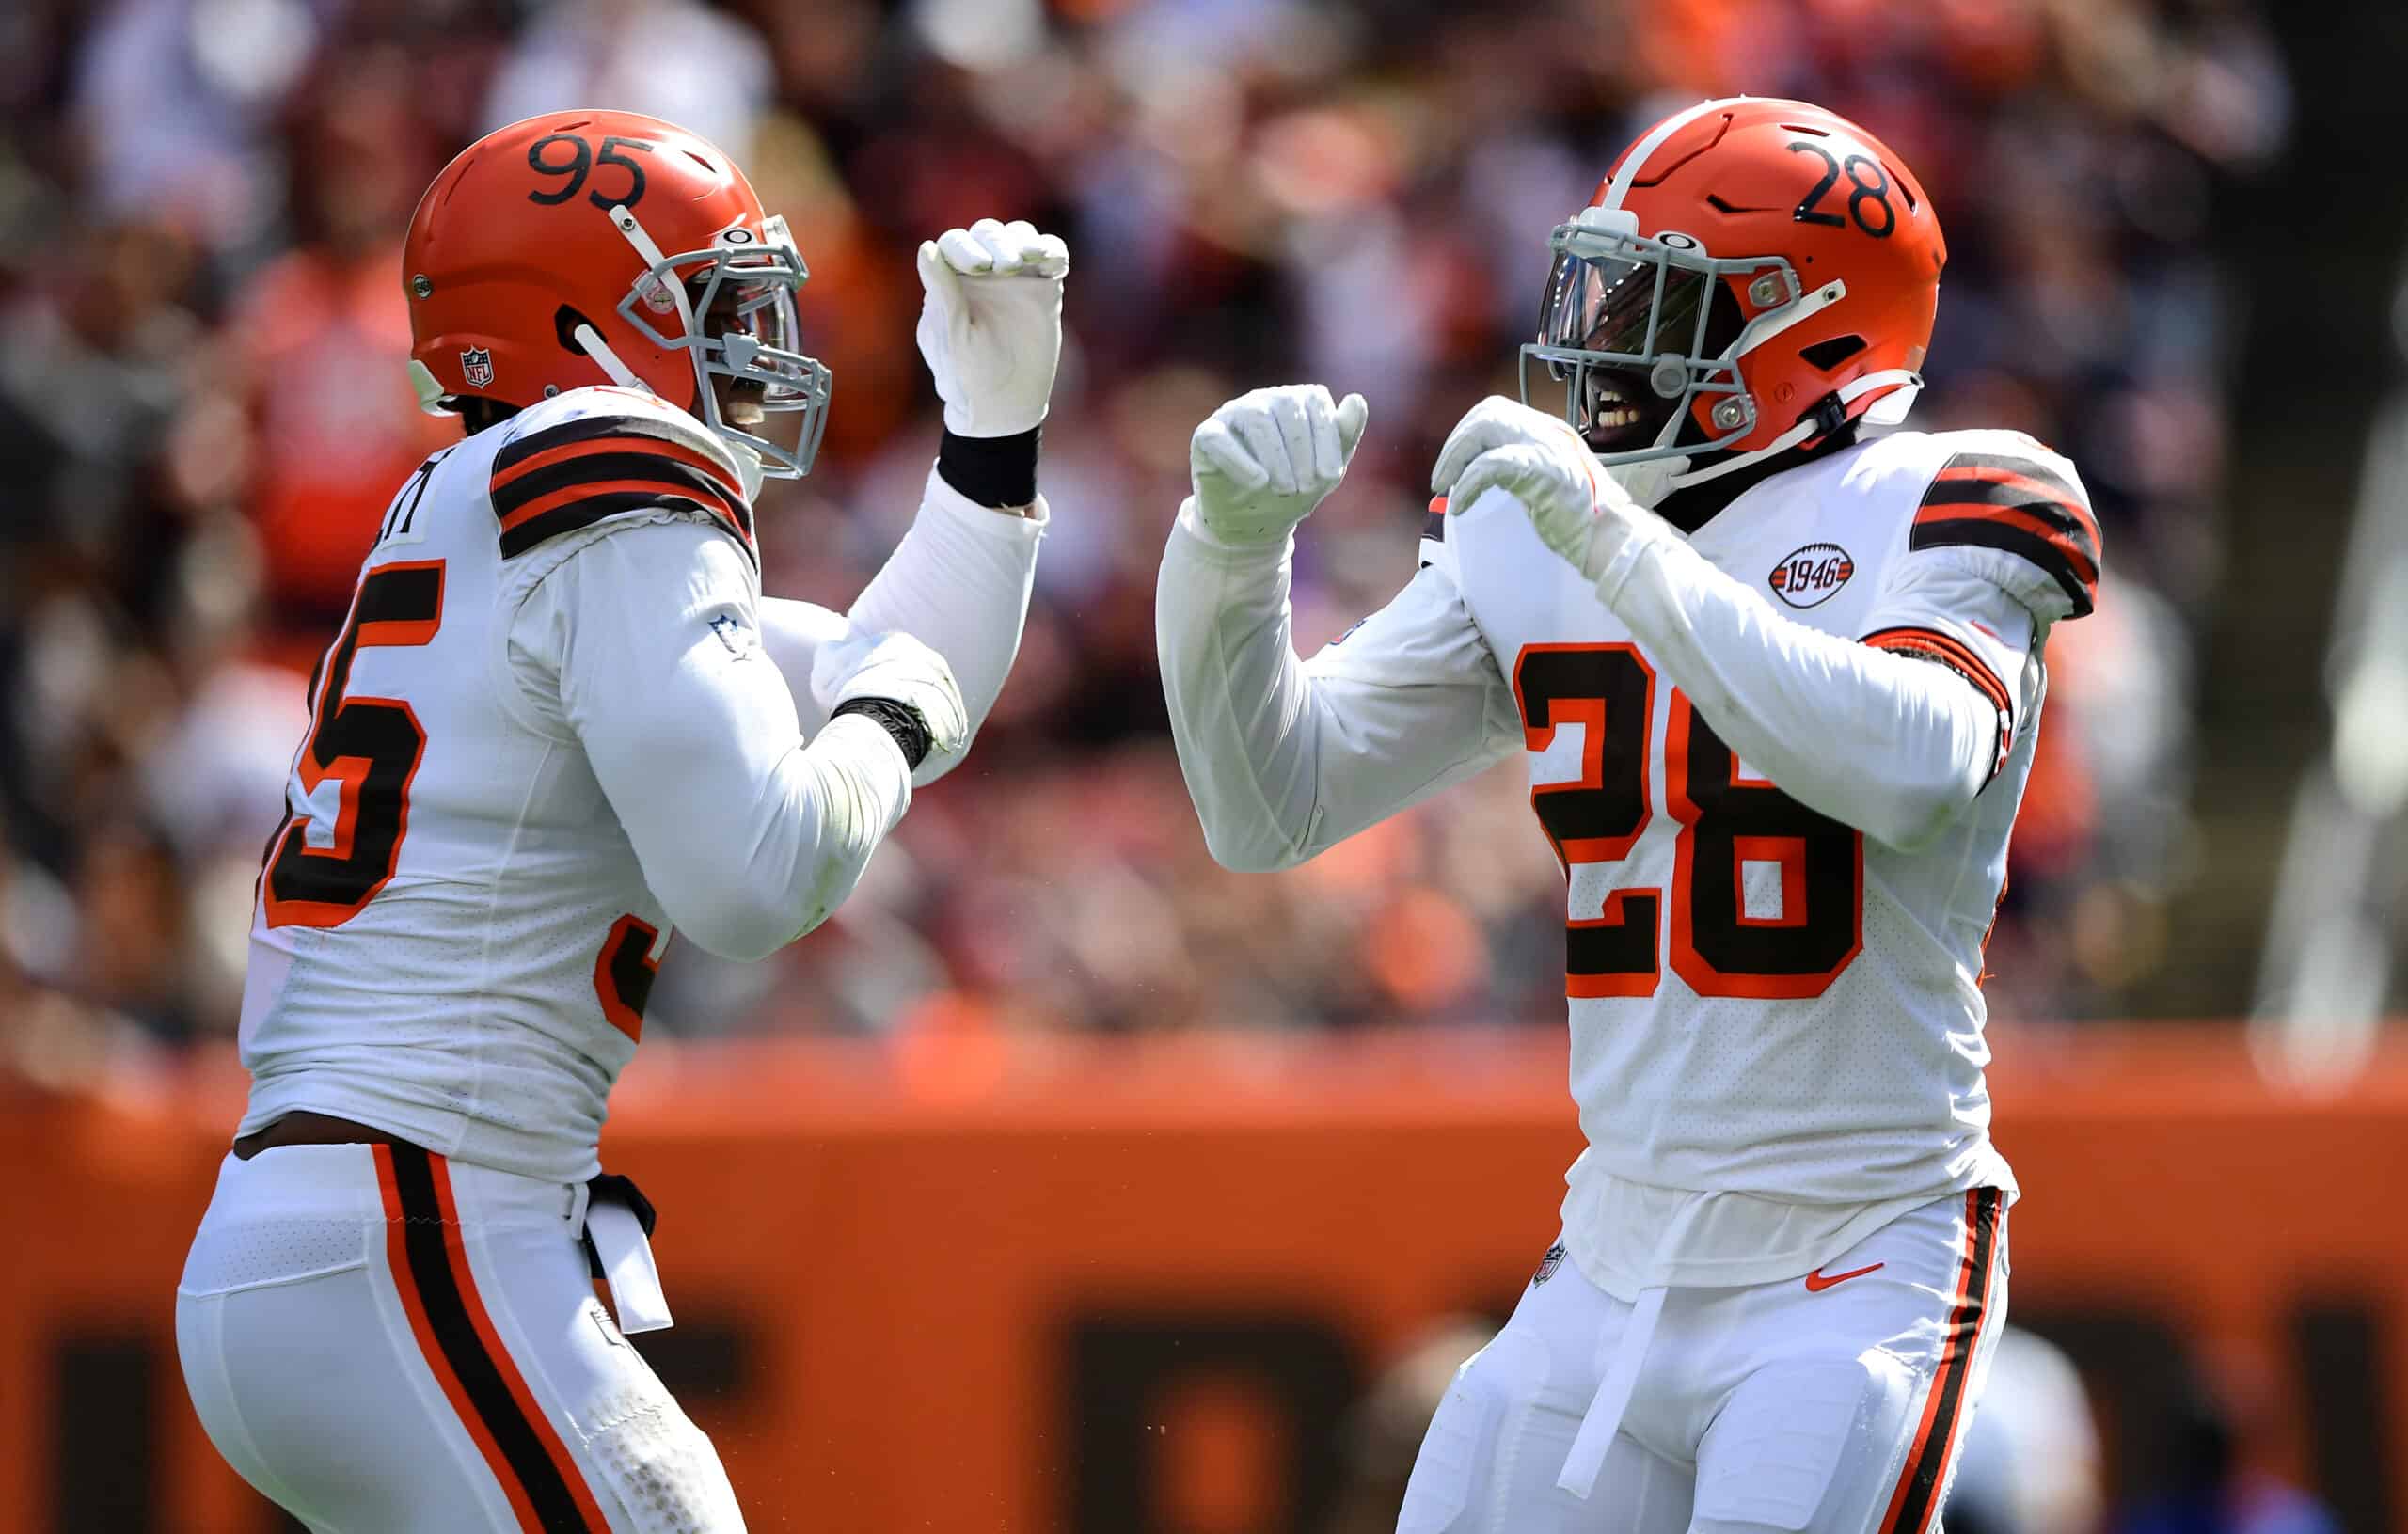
1620	1372
1604	1416
626	1255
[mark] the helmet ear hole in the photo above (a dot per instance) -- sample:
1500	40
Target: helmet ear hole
565	322
1825	355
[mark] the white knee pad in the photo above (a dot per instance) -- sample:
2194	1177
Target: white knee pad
1460	1452
648	1452
1805	1443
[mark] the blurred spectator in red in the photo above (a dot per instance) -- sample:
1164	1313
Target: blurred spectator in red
318	333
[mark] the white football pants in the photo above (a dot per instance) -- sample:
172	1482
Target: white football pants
1826	1404
383	1342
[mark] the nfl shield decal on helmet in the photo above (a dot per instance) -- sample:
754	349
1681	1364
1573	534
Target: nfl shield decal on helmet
476	367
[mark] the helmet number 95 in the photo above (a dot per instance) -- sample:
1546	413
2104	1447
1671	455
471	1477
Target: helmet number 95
1876	191
576	161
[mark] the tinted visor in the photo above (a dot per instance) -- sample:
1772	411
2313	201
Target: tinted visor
1634	308
758	316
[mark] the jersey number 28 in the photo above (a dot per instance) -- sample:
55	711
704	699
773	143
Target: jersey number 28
1728	820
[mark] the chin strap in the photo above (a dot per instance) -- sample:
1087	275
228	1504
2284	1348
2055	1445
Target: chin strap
748	469
625	222
599	350
1651	479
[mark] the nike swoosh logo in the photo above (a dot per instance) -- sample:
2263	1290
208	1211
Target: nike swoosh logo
1817	1282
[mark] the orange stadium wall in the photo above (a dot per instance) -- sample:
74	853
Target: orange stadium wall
1131	1288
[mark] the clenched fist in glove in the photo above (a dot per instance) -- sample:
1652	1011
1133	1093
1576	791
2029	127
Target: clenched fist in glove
1578	509
990	326
1262	462
903	686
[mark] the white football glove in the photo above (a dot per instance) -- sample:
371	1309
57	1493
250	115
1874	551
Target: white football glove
1578	509
990	326
901	670
1262	462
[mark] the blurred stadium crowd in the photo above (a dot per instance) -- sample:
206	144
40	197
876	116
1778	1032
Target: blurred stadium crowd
203	412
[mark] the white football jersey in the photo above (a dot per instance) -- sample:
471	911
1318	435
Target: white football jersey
452	939
457	926
1776	1018
1765	1002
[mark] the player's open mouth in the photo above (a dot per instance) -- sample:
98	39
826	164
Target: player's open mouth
1609	412
742	406
1622	412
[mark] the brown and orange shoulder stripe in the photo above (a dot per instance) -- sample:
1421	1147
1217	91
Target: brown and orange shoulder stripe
1946	650
571	476
2018	504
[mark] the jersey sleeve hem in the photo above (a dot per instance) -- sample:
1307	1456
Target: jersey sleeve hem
1932	645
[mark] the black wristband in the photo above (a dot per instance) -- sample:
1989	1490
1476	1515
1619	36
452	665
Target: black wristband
896	720
991	470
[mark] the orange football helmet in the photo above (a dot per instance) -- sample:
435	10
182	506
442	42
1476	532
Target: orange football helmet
1752	274
599	248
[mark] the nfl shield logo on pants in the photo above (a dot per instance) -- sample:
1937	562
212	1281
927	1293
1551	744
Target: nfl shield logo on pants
476	367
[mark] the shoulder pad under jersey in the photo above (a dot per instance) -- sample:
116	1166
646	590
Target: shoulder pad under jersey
2002	490
582	457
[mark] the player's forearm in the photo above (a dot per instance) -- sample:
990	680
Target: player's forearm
1893	746
1242	712
750	884
748	846
960	583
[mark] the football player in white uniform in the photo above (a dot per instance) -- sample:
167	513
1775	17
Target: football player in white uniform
561	721
1776	671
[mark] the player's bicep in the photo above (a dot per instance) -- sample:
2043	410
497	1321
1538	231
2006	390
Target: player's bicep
1425	638
662	674
1410	701
1943	608
686	724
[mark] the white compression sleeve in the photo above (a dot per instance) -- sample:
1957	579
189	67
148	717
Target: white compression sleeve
1286	758
793	633
1891	745
959	582
748	837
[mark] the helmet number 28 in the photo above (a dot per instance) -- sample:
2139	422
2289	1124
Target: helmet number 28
1876	191
577	161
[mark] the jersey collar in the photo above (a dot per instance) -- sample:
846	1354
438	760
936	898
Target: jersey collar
1692	507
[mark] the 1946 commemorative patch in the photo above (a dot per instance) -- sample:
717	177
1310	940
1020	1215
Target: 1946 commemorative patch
1812	576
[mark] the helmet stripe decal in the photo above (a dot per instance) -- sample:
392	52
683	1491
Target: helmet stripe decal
1637	158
